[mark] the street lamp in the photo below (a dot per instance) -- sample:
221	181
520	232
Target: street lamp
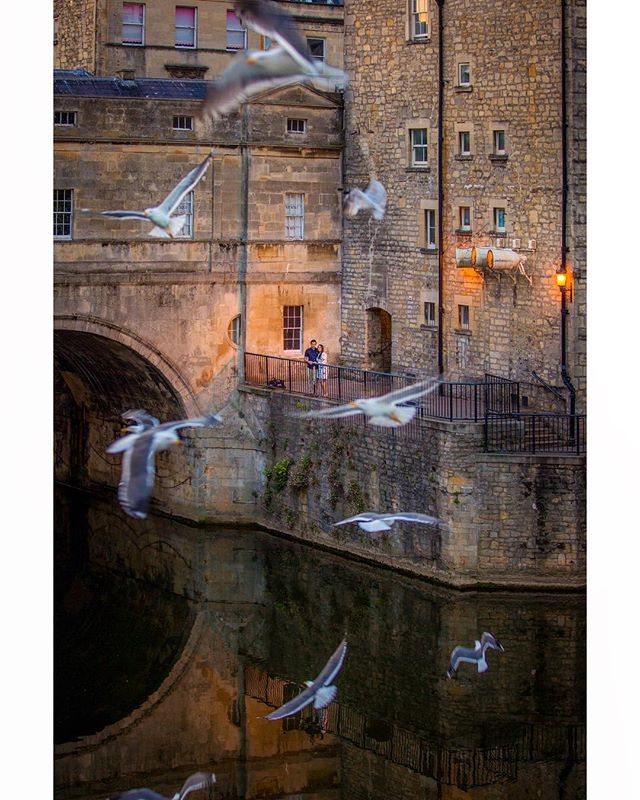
561	282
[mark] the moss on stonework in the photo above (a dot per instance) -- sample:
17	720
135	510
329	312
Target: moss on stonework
301	474
357	497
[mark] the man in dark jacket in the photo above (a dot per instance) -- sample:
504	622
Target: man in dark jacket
311	356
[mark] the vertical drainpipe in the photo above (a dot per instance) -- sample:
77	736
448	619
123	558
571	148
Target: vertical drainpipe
242	255
440	185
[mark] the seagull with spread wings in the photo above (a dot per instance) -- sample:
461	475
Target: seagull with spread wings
138	460
374	199
386	411
164	224
371	522
320	691
199	780
474	655
269	20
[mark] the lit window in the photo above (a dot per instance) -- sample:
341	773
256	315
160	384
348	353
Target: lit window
265	42
236	34
294	216
185	26
430	313
418	146
62	213
65	118
292	328
499	220
133	23
465	218
463	316
419	19
430	228
185	208
464	143
499	147
233	331
296	125
464	74
182	123
316	48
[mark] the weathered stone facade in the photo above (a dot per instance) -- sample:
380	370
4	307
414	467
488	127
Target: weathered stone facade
74	42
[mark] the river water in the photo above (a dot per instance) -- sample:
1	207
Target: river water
173	641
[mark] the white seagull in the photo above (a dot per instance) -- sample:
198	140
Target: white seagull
253	71
475	654
385	411
374	199
371	522
164	224
320	692
142	419
138	466
199	780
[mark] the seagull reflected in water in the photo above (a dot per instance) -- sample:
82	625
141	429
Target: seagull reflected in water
474	655
199	780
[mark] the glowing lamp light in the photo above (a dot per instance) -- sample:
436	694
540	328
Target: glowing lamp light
561	279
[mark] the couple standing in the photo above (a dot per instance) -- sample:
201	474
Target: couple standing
316	360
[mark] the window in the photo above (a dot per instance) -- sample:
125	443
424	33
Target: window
62	213
464	74
55	30
185	207
430	228
236	34
430	314
463	317
499	220
418	19
292	328
233	331
418	146
294	216
464	143
133	23
182	123
499	146
185	26
465	218
265	42
65	118
296	125
316	48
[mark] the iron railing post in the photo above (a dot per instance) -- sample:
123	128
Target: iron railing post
266	367
451	402
533	433
339	383
289	372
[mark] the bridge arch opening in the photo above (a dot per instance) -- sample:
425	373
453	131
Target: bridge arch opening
378	340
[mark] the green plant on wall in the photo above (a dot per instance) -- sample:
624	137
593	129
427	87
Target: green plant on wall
357	497
301	474
280	473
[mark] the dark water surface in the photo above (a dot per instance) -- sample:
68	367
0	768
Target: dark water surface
173	641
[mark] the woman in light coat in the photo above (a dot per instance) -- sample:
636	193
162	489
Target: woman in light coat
322	371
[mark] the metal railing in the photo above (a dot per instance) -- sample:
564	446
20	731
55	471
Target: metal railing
535	433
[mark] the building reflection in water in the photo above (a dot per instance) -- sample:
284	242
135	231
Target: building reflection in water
173	641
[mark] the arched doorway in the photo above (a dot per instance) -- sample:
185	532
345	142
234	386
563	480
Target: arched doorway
378	340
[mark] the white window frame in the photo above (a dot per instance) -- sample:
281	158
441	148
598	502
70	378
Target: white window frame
464	218
185	206
497	134
430	319
294	215
296	125
496	215
430	224
464	317
234	31
234	330
63	214
419	28
141	25
461	136
461	80
193	28
188	122
415	146
324	47
294	330
72	115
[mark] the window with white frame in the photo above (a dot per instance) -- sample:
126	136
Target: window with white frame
296	125
294	216
464	218
316	48
292	328
430	314
418	146
185	208
236	34
499	219
185	26
233	331
430	231
499	143
464	143
418	19
62	213
464	74
133	23
463	316
65	118
182	123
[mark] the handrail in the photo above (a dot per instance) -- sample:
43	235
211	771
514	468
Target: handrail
548	386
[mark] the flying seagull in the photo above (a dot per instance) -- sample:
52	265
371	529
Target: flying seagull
138	467
264	17
253	71
142	419
199	780
320	692
474	655
386	410
374	199
371	522
164	224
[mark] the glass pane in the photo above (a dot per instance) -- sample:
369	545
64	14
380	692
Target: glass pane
133	13
185	37
132	34
185	17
